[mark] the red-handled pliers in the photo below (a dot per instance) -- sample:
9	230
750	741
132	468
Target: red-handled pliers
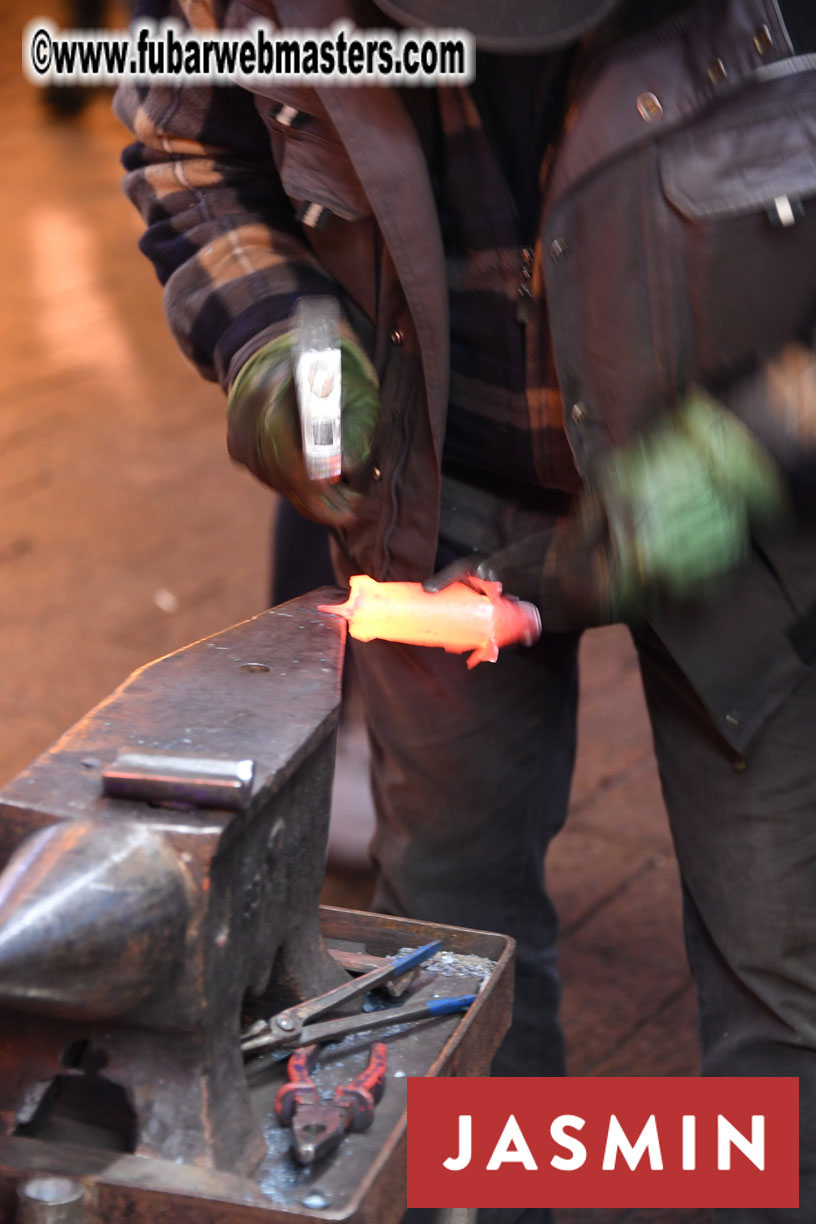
317	1125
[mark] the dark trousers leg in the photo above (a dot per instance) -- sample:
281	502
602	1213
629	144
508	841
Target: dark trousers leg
746	846
300	555
471	774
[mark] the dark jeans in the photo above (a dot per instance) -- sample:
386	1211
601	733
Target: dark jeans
300	559
471	777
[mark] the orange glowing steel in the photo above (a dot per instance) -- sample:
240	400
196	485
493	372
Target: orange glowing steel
456	618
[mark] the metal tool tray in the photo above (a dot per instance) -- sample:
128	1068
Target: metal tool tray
363	1182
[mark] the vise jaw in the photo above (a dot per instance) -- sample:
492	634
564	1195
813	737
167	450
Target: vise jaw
134	922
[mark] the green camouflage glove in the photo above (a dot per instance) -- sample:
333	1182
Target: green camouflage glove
669	515
680	502
264	429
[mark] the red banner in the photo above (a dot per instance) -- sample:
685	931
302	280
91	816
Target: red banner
603	1142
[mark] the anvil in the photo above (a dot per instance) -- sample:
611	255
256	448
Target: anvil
134	922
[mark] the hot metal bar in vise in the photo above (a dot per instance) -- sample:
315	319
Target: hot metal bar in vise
165	778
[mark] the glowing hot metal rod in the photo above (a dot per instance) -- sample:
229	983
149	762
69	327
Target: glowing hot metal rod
457	618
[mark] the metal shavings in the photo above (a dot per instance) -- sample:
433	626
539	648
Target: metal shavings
457	964
316	1200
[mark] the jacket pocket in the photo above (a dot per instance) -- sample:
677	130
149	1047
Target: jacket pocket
318	178
716	172
741	192
314	168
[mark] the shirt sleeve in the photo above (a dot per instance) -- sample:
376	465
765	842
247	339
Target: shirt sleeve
220	230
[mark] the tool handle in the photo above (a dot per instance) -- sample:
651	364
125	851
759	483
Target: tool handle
444	1007
300	1088
410	960
333	1030
372	1079
365	1090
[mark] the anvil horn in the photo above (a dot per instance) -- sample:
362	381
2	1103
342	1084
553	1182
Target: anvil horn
93	915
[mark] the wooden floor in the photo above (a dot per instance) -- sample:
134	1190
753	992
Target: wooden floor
125	532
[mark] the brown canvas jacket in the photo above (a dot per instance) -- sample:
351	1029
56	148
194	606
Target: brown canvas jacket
666	250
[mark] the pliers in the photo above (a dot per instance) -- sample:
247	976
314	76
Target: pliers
291	1028
317	1125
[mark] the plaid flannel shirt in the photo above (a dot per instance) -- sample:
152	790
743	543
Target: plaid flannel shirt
221	231
506	413
232	257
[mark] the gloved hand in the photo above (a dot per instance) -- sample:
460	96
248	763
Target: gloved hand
264	429
564	571
669	516
680	502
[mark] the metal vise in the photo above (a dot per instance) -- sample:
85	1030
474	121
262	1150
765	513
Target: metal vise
161	863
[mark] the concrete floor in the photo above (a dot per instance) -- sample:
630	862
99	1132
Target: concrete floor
125	533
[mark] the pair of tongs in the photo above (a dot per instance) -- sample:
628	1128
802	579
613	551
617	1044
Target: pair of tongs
292	1027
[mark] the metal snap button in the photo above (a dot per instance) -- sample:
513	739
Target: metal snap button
717	72
558	249
763	39
397	336
649	107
